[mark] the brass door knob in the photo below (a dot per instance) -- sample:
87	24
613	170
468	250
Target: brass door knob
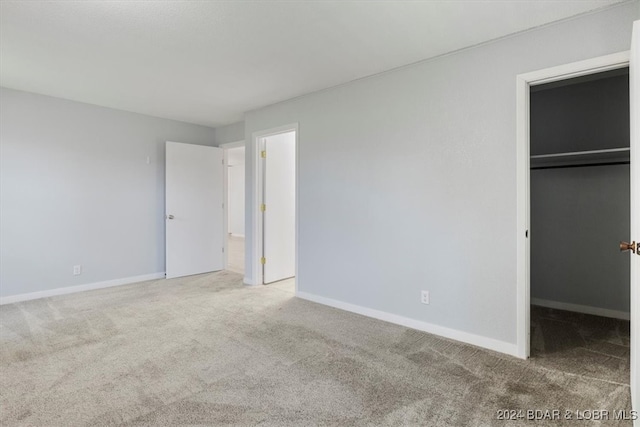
625	246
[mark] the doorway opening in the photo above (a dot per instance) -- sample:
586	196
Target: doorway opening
234	160
235	210
275	251
579	212
524	84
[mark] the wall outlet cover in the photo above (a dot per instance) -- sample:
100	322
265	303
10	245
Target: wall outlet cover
424	297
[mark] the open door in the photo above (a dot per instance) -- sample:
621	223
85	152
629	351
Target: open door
634	99
194	209
279	207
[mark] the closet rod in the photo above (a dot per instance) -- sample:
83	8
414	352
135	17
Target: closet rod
581	153
582	165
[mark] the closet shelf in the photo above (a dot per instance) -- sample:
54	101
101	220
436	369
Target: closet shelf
581	158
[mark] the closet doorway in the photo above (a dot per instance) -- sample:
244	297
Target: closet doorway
580	211
524	84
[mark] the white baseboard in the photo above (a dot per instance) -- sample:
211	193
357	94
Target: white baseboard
236	235
454	334
604	312
248	281
80	288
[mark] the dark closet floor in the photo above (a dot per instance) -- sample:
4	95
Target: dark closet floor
581	344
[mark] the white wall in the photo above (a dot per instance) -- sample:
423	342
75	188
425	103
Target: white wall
435	145
76	188
236	194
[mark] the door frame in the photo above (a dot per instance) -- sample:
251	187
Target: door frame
257	194
225	196
523	254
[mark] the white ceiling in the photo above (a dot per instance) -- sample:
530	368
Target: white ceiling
209	62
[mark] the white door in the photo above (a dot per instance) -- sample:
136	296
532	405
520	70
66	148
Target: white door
634	98
280	207
194	209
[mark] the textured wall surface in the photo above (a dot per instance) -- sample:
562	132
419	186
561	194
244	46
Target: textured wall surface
81	185
407	180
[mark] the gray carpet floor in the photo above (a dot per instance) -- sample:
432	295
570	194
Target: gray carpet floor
206	350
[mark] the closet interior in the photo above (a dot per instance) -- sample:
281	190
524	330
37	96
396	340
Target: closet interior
580	200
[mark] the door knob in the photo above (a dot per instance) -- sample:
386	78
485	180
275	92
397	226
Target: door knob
625	246
171	217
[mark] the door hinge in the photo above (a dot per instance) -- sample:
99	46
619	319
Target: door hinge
223	249
263	207
263	154
263	260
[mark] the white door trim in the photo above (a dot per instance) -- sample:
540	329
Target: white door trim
225	197
634	100
523	83
256	197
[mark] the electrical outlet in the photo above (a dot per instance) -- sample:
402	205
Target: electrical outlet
424	297
77	270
